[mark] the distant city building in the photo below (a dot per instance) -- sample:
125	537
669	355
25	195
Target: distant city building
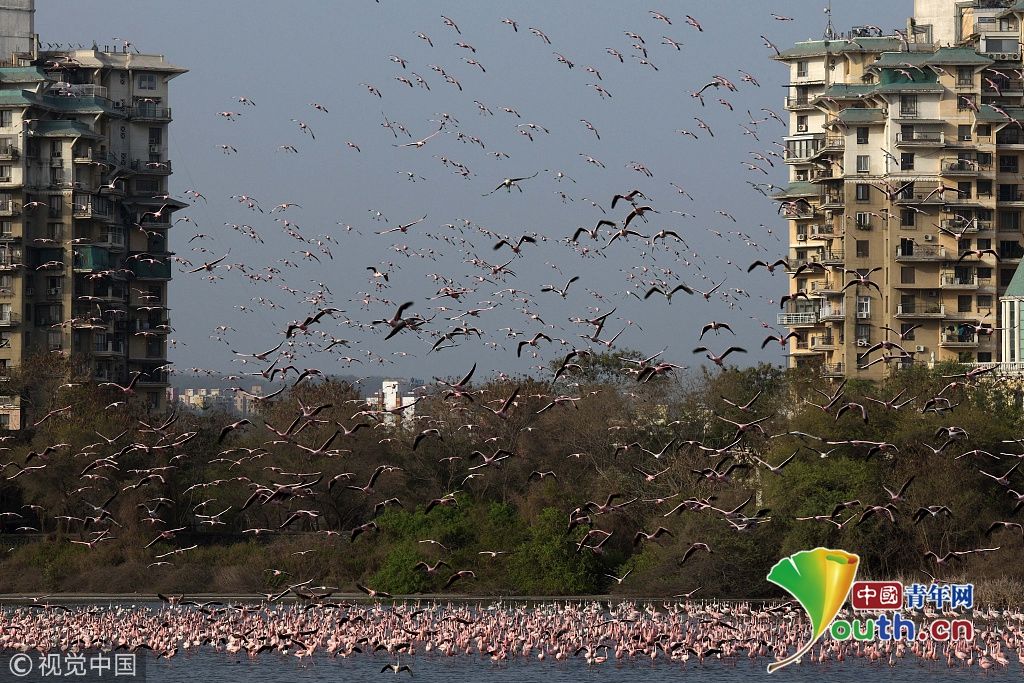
213	398
389	398
83	165
904	155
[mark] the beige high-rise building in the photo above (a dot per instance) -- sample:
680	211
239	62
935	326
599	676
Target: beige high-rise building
84	209
904	153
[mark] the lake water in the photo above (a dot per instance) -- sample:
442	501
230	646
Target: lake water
219	668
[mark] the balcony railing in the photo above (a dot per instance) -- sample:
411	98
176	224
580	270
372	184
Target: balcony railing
954	340
798	102
919	252
921	310
9	319
832	369
159	167
954	281
1001	86
90	210
833	257
832	314
796	319
921	138
823	343
964	167
151	271
971	226
150	113
9	207
108	349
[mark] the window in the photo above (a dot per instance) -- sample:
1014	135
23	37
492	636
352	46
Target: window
862	249
984	131
5	173
154	348
862	135
964	303
55	231
1008	164
907	161
156	135
984	186
907	330
863	163
56	204
966	103
908	106
963	133
964	75
6	118
984	243
56	175
863	219
1005	275
984	273
147	185
863	192
54	340
908	218
801	69
6	281
147	81
801	123
984	302
6	228
963	190
984	356
863	308
907	274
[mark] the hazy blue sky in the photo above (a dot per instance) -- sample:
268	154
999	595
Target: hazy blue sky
284	56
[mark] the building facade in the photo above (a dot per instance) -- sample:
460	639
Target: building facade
84	213
904	153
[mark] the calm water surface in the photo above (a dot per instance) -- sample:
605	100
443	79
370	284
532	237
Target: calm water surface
212	667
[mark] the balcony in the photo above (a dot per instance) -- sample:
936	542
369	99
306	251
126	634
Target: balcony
802	319
9	263
1011	198
953	281
967	227
917	252
108	348
832	369
153	378
821	232
832	201
151	271
920	310
966	168
9	207
920	193
154	167
1010	138
795	103
833	258
832	314
91	259
111	240
824	288
921	139
158	325
823	343
825	174
1002	87
9	319
8	153
98	210
952	340
150	113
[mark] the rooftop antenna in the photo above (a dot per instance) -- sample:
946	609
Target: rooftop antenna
830	31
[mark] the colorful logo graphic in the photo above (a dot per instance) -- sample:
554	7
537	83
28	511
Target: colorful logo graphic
820	580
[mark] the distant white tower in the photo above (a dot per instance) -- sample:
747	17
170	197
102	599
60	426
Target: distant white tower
1011	306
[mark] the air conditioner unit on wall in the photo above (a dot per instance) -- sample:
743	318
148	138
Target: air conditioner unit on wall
801	238
862	342
929	238
919	349
801	128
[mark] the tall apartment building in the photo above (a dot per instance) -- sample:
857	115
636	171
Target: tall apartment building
905	158
84	209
